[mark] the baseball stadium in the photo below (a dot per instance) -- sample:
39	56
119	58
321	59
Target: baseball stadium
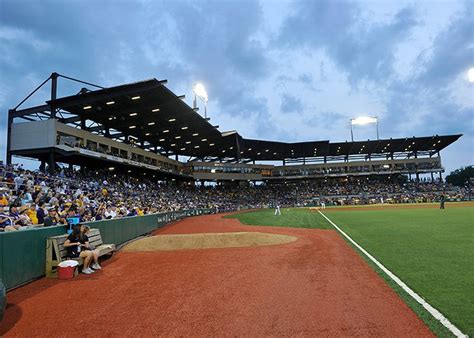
245	238
321	189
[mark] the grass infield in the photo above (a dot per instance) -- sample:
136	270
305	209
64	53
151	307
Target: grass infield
431	250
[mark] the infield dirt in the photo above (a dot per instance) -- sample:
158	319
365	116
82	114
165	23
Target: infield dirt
315	286
206	241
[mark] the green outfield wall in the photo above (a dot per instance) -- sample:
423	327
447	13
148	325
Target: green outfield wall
23	253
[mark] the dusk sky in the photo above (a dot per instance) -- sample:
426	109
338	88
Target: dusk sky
277	70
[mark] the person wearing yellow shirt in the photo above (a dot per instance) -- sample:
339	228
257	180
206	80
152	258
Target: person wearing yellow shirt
3	201
31	212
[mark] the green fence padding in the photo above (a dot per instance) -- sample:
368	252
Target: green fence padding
1	258
118	231
22	253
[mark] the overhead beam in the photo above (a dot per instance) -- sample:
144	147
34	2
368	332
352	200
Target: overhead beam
71	119
30	111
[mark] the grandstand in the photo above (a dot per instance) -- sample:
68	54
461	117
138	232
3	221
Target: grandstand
145	128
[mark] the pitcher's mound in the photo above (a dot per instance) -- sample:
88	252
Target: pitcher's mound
207	241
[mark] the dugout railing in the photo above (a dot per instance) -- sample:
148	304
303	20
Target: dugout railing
22	253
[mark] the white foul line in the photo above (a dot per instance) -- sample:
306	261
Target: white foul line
435	313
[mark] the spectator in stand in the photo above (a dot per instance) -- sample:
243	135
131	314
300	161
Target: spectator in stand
23	216
40	213
100	214
52	218
3	200
32	214
111	212
18	182
15	216
6	222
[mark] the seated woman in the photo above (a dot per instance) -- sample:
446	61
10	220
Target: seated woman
24	219
77	244
95	253
6	222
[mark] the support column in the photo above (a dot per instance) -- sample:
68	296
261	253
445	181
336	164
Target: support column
54	92
51	162
9	136
238	157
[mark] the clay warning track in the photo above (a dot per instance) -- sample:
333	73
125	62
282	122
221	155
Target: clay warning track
314	286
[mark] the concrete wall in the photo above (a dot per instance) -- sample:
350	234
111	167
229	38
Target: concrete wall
33	135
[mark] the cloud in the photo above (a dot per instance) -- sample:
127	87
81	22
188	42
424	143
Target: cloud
291	104
364	50
452	52
429	94
306	78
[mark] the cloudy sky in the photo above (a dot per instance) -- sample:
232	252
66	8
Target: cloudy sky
278	70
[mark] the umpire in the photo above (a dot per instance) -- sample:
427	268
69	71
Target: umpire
442	199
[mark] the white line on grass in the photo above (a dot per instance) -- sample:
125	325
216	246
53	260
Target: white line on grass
434	312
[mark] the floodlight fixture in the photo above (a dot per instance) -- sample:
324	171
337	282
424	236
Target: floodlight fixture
470	75
201	93
362	121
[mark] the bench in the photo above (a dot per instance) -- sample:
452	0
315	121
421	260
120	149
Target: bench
56	252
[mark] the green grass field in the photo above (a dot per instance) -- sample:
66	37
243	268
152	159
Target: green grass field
295	218
431	250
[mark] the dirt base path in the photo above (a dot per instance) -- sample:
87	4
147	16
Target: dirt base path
314	286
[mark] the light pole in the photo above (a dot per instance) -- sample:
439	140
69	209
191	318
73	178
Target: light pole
200	91
364	120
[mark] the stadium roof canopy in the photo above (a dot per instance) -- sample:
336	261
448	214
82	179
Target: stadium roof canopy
159	120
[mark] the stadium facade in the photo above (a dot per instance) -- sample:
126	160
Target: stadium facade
145	128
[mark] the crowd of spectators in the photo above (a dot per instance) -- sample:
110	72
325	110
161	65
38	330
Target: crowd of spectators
31	198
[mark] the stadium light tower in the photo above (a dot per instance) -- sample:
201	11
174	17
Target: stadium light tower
470	75
200	91
362	121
